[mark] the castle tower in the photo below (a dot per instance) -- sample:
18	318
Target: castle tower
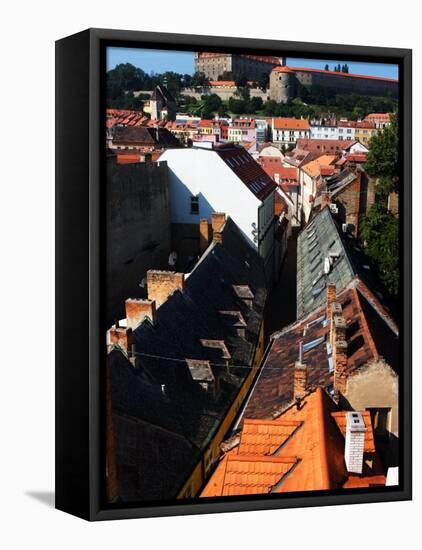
282	84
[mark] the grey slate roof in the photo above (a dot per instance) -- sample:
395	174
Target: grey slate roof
186	412
318	242
144	136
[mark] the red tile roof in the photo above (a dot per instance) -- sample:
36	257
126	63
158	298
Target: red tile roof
346	75
324	145
301	450
247	169
283	123
273	166
371	333
358	157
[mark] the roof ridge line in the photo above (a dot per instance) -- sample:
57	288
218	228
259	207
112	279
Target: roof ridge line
371	342
323	445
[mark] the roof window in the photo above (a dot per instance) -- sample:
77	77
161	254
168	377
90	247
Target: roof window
313	344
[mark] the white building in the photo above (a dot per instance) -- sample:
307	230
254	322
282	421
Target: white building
286	131
346	130
222	179
324	131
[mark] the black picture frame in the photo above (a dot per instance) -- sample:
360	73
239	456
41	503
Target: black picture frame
80	353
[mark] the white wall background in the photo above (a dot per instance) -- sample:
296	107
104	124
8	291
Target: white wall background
27	277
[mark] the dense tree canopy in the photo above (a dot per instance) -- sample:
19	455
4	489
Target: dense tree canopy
380	236
379	228
383	160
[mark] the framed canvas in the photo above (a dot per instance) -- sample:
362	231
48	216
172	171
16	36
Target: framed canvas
233	248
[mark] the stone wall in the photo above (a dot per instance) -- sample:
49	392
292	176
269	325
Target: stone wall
138	229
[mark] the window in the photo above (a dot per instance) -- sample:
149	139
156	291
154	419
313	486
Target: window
194	205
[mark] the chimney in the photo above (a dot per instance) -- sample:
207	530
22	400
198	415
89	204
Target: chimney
300	376
340	367
355	442
204	235
138	310
161	284
217	237
325	199
336	311
120	336
277	178
218	219
331	298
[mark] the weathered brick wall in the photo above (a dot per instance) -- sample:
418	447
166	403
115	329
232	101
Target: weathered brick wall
349	203
163	283
138	229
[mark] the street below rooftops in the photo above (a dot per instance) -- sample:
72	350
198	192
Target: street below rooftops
281	304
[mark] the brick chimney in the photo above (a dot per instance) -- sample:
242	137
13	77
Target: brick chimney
300	380
340	367
161	284
218	219
331	298
217	237
325	199
355	442
204	235
138	310
120	336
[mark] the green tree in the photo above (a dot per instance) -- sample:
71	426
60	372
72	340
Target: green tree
212	104
199	79
379	233
237	106
383	160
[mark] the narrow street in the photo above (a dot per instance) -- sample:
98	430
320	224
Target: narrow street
281	305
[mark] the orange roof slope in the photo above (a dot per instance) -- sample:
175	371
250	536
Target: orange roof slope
260	437
281	123
311	453
314	167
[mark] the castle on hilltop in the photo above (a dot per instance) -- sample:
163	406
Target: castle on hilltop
214	64
284	82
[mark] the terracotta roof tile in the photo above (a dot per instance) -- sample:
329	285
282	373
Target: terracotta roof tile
281	123
311	457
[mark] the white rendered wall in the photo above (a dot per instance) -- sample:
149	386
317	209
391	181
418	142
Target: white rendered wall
201	172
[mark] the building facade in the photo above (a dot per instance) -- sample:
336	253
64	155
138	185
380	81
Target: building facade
213	64
286	81
138	228
286	131
222	179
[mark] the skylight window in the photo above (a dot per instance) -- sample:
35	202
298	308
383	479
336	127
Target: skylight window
313	245
313	344
317	278
317	291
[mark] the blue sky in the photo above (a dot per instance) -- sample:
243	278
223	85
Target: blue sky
159	61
